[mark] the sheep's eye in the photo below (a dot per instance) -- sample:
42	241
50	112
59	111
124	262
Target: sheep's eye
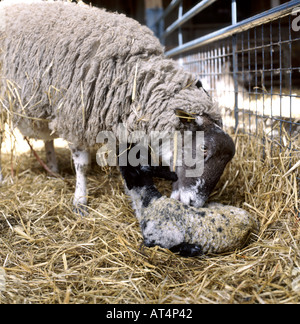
203	148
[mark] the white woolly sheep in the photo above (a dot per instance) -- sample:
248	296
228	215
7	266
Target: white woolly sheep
73	71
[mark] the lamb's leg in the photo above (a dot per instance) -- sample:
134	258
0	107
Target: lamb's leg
51	156
81	160
139	181
140	187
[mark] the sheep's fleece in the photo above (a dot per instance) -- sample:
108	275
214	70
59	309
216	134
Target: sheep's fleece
85	70
215	229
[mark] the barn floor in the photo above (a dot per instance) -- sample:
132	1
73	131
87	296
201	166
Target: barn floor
50	255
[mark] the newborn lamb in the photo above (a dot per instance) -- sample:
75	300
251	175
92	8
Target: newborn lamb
188	230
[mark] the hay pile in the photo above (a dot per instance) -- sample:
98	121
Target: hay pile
49	255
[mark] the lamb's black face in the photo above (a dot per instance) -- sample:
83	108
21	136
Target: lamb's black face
218	150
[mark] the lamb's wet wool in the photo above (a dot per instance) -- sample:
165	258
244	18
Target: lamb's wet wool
166	222
214	229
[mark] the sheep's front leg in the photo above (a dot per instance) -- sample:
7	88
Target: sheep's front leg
51	156
81	160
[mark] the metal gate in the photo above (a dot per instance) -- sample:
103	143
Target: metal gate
252	68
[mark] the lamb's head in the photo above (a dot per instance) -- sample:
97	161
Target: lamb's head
218	149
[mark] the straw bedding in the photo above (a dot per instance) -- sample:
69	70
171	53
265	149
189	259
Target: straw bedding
48	255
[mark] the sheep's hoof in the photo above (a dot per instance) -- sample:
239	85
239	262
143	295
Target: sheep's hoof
187	250
80	210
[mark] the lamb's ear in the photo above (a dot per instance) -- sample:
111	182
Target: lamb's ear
184	116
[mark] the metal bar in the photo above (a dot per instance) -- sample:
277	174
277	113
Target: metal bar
256	79
280	77
243	77
180	13
267	16
233	12
249	69
272	80
187	16
170	7
263	67
235	64
290	79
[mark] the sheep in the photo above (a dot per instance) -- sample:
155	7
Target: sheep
191	231
74	71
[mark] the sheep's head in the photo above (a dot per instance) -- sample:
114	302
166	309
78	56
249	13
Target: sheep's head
218	149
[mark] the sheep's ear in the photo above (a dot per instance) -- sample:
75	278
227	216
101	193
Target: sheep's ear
199	84
184	116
